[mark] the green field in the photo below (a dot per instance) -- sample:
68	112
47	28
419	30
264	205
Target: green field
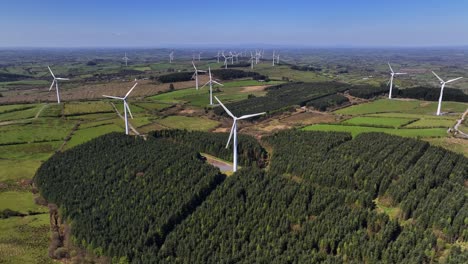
25	239
232	91
11	108
153	106
355	130
431	123
378	121
38	131
83	135
21	114
87	108
189	123
22	202
402	106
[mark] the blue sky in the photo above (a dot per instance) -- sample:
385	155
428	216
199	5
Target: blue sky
156	23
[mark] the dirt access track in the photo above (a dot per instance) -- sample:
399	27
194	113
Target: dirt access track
91	91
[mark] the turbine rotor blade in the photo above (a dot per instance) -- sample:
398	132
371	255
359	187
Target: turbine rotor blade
52	85
128	108
390	67
205	84
113	97
130	90
63	79
51	72
440	79
218	83
400	73
230	135
454	79
252	115
225	109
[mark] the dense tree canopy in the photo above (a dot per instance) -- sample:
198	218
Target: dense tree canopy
325	197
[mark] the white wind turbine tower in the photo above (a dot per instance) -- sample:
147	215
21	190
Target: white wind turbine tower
125	104
171	56
125	58
55	81
274	58
199	55
225	60
195	74
234	132
210	82
392	75
442	82
252	58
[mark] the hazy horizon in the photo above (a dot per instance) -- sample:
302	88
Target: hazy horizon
185	24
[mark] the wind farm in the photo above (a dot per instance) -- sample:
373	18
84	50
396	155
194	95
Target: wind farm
270	142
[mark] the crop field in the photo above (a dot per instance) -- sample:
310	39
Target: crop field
87	108
189	123
356	130
391	122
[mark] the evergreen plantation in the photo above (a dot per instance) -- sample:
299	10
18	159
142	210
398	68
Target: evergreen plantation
318	200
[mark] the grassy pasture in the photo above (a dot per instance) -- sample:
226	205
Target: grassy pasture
22	202
391	122
52	110
93	117
83	135
189	123
13	170
25	239
37	131
83	108
153	106
429	122
402	106
21	114
21	161
17	107
355	130
379	106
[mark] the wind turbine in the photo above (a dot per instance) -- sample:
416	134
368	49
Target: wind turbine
56	79
392	75
199	55
210	82
252	58
126	107
274	57
225	60
125	58
195	75
171	56
442	82
234	131
277	59
218	56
